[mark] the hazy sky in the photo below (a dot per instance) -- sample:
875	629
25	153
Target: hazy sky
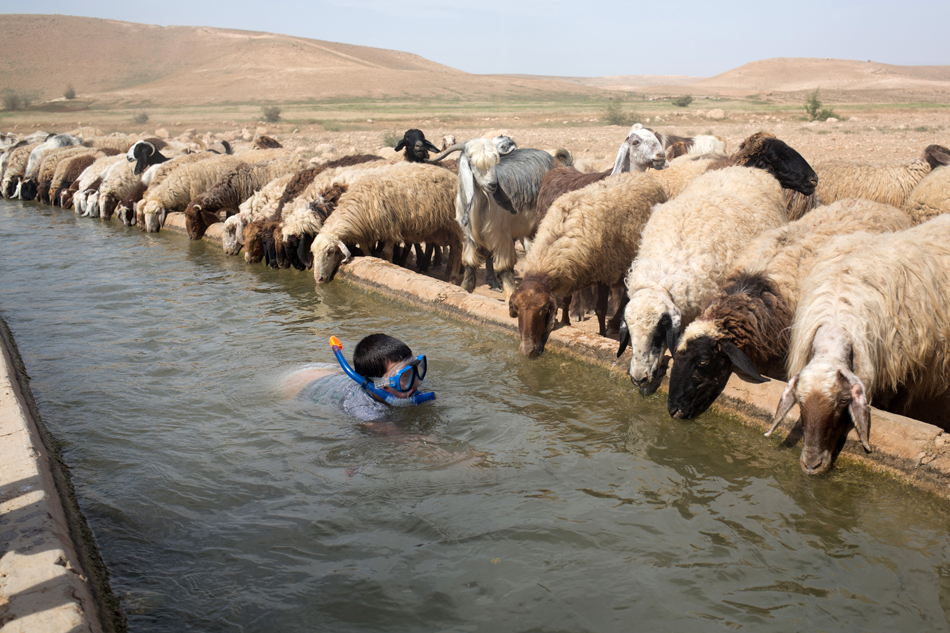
566	37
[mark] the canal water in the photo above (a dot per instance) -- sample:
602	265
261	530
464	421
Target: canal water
532	495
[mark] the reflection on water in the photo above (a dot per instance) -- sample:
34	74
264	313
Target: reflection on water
531	495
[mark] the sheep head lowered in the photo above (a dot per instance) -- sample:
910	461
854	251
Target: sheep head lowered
709	350
232	237
653	318
328	253
535	307
416	145
641	149
764	151
830	397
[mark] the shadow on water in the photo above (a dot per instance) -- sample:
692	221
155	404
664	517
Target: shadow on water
533	494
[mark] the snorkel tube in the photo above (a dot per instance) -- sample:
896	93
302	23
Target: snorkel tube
417	398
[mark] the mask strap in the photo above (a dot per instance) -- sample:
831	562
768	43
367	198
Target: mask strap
368	385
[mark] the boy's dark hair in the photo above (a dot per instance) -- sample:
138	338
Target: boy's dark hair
375	352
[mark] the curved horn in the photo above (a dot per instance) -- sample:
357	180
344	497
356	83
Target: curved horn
347	256
784	405
624	337
458	147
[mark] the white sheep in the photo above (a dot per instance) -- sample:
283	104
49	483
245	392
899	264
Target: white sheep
931	196
685	252
588	236
872	327
889	184
180	186
262	205
746	323
411	204
91	178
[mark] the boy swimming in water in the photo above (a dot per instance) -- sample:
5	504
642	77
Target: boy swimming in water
384	374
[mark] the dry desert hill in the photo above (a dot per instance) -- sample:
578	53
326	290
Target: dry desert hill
127	63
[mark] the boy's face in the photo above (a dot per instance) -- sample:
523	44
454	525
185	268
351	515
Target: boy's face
392	370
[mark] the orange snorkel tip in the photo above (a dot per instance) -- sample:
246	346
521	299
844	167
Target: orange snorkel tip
335	342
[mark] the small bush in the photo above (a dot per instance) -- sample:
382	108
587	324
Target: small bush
391	138
815	111
70	92
13	100
614	114
333	126
682	102
271	114
140	117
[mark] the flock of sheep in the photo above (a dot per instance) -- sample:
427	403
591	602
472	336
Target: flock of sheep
833	277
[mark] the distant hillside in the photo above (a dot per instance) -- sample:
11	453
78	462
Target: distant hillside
123	61
128	63
839	80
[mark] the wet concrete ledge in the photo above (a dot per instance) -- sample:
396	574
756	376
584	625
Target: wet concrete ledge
52	579
912	451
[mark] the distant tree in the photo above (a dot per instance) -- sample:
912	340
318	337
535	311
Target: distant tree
271	114
815	111
614	114
682	102
70	92
12	100
140	117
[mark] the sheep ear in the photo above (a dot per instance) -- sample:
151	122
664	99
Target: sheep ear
860	411
784	405
622	162
429	146
624	337
512	309
346	252
741	361
401	144
466	188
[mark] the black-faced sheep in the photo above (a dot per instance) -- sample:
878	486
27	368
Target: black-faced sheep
685	251
589	236
872	326
888	184
413	204
417	146
746	324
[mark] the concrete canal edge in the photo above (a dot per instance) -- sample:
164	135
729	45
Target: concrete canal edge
52	579
911	451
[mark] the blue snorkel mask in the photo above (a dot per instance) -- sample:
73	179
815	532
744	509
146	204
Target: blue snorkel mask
402	381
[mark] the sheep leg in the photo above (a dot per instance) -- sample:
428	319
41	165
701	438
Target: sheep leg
603	298
614	326
508	282
455	261
471	260
437	256
423	257
403	255
566	310
490	278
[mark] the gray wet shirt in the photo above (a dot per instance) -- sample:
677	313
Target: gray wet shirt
344	393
